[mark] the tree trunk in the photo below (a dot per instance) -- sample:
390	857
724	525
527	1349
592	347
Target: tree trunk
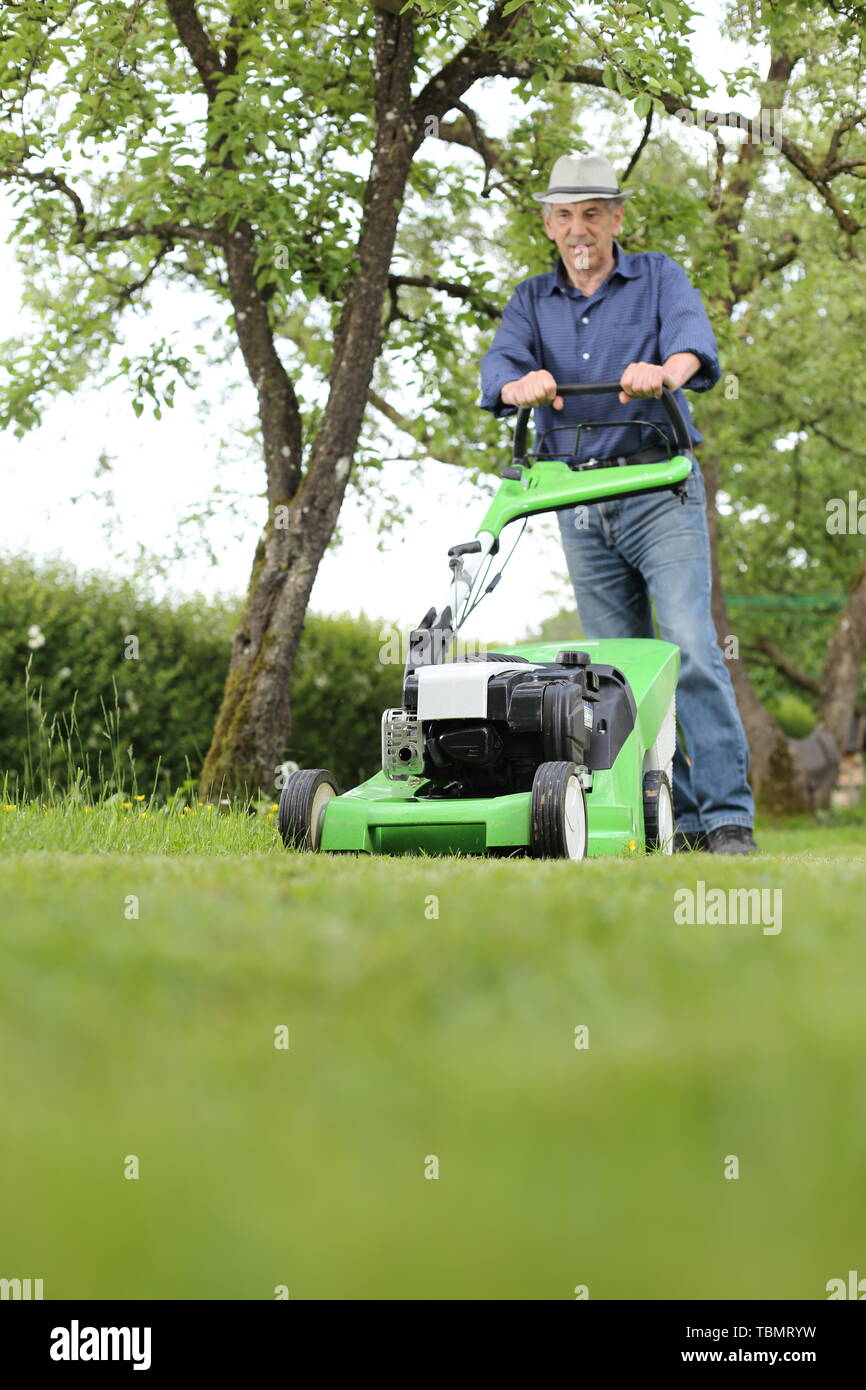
777	780
843	664
254	719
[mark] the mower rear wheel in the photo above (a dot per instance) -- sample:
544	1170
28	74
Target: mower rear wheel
303	803
658	813
559	820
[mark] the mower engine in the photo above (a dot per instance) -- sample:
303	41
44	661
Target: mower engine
482	727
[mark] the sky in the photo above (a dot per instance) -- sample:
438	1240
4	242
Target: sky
163	470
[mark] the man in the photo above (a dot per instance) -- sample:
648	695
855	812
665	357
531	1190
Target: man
602	315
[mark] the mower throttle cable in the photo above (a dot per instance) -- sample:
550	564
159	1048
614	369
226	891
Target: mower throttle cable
494	581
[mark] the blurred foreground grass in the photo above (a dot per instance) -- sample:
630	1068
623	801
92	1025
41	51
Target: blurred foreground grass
413	1035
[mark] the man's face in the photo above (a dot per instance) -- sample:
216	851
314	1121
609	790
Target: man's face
584	232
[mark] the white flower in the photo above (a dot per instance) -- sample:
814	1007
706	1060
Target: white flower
35	637
64	673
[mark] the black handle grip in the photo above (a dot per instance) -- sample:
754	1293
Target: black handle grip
599	388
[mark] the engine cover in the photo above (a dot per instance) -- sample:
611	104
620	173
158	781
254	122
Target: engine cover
482	728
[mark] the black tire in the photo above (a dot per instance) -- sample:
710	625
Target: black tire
658	813
558	816
303	799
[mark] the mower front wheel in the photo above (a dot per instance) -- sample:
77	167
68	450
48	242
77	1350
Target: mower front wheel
559	820
658	813
303	803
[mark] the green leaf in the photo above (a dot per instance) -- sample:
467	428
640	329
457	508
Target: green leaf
642	105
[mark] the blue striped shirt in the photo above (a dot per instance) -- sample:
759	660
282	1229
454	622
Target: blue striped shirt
646	310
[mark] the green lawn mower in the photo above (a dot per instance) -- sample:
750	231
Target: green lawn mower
544	749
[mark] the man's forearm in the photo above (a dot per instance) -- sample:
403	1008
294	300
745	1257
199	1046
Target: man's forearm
681	367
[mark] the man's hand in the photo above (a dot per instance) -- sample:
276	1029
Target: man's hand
536	388
643	379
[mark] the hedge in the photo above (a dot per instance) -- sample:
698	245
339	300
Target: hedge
126	686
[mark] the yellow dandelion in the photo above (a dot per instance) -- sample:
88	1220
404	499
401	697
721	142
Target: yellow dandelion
275	806
208	808
141	798
143	816
8	808
631	845
199	803
87	810
126	805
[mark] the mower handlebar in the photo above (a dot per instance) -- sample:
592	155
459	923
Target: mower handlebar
598	388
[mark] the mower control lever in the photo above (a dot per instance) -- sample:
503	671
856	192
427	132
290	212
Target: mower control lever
598	388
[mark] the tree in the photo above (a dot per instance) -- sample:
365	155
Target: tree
792	446
748	220
293	223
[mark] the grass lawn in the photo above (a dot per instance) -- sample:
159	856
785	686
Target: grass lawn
414	1035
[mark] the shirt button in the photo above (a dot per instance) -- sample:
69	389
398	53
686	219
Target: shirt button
584	320
585	356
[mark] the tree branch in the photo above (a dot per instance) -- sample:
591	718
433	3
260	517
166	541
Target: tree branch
787	668
819	175
50	180
36	53
133	15
165	231
126	292
838	444
792	673
492	158
129	290
467	132
452	287
412	428
197	43
480	57
767	267
714	202
582	73
832	163
640	146
785	258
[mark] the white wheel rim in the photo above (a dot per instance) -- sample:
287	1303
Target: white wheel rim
574	819
321	797
666	820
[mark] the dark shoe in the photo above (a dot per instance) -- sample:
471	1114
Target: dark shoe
731	839
689	841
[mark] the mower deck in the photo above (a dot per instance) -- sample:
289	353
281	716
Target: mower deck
382	816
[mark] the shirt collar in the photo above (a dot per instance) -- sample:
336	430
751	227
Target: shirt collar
625	265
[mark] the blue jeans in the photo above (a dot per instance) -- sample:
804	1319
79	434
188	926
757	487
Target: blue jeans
620	555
